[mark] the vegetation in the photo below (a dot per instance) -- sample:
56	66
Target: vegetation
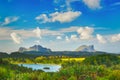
99	67
73	59
105	59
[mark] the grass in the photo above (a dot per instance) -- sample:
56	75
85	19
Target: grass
73	59
119	56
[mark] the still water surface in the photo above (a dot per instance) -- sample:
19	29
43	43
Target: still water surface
52	67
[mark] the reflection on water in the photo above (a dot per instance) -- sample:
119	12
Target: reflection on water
50	67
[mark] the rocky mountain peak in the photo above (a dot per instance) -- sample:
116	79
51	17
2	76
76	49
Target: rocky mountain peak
85	48
34	48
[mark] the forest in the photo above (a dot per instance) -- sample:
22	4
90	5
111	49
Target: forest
97	67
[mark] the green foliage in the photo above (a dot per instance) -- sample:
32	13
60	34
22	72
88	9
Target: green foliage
92	68
3	74
3	55
104	59
115	75
72	78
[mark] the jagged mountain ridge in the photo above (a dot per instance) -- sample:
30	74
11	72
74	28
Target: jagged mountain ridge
85	48
34	48
39	48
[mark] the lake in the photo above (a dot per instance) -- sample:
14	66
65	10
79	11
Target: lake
44	67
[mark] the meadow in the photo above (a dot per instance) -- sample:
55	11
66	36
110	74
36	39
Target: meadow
73	59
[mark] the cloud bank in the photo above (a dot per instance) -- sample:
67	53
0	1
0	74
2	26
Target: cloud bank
115	38
38	32
61	17
85	32
100	38
76	33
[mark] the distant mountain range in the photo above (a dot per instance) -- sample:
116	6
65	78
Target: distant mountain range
39	48
85	48
36	48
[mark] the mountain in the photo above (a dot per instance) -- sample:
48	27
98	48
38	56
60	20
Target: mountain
85	48
37	48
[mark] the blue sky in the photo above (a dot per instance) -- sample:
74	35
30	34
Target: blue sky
60	24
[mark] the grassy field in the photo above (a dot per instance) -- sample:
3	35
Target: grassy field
71	59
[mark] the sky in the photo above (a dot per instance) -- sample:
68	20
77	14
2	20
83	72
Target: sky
61	25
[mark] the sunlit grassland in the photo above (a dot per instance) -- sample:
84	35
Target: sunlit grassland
44	60
119	56
73	59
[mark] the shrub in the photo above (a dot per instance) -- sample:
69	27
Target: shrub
115	75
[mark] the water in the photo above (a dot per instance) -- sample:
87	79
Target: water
52	68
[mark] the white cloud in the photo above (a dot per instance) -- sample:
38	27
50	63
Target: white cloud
37	31
65	3
65	16
100	38
85	32
16	38
67	39
42	18
59	37
92	4
115	38
47	32
5	33
58	16
74	37
9	20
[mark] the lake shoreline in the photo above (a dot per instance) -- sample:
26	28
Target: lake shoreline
52	67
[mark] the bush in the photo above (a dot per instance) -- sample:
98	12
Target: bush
104	59
72	78
115	75
4	74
